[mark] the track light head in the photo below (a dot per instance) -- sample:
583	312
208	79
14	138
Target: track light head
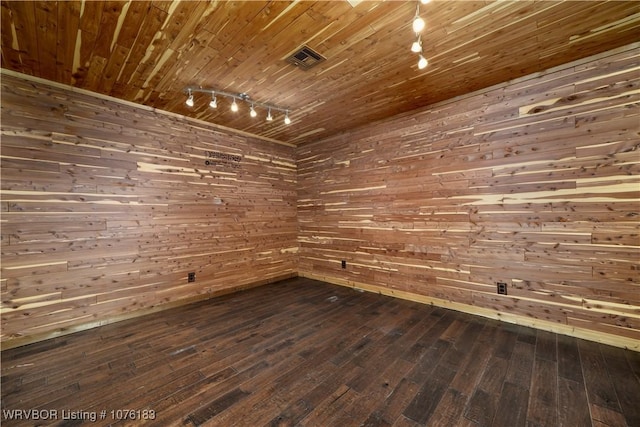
234	106
287	120
418	24
422	62
189	101
252	112
269	116
416	47
214	101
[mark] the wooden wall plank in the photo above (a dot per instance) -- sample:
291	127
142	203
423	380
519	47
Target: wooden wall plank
537	180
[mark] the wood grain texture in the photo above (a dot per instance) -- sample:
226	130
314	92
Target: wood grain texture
148	51
107	207
534	183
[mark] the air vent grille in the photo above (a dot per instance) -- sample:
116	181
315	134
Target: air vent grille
305	58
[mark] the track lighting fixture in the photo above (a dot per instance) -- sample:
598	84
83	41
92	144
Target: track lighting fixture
189	101
215	94
418	25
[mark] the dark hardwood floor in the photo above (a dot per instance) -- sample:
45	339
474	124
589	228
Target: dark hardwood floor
302	352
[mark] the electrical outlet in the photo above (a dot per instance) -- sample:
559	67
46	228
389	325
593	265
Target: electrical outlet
344	263
191	277
502	288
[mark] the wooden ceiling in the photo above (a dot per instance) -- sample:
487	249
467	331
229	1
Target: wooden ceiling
147	52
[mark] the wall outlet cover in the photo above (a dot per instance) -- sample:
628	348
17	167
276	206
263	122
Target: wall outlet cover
502	288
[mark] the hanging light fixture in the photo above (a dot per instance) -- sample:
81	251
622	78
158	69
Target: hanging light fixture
190	90
189	101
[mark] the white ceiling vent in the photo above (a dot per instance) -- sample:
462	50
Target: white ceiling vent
305	58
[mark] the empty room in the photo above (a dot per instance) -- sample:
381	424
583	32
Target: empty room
320	213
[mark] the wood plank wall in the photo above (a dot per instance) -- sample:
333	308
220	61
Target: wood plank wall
533	183
107	206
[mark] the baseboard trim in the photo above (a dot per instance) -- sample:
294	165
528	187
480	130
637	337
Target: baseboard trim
600	337
31	339
573	331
